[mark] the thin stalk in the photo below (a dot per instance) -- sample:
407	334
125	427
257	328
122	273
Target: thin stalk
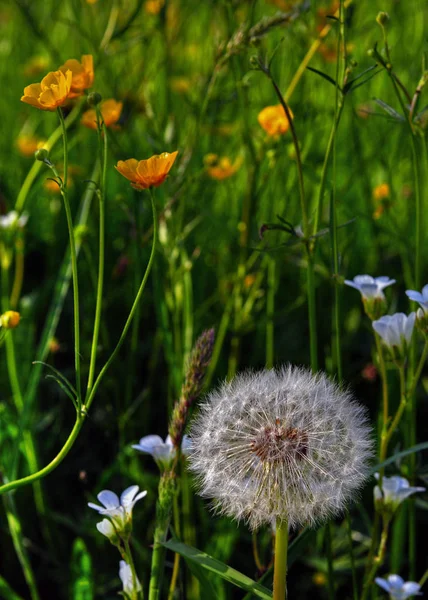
352	557
313	336
280	563
176	567
19	273
330	565
73	258
129	559
98	307
113	355
35	169
270	311
17	540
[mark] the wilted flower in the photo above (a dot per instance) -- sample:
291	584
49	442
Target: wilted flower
118	511
370	287
163	452
82	74
125	574
52	92
396	330
110	112
221	167
280	445
420	297
144	174
274	120
394	490
397	589
10	319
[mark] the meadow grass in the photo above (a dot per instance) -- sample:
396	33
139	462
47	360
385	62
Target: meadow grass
136	301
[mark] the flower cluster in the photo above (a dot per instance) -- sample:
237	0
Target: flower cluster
118	523
280	444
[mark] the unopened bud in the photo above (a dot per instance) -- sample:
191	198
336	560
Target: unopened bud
42	154
94	98
382	19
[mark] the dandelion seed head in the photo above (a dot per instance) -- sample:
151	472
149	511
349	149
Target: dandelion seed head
280	444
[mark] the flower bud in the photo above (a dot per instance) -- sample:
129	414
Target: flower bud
382	18
42	154
94	98
254	61
10	319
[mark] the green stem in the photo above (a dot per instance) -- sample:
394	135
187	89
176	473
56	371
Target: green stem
330	566
270	311
313	337
98	308
34	171
352	557
17	540
73	258
280	564
52	465
133	309
137	595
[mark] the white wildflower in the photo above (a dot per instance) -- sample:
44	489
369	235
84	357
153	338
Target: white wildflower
125	574
280	444
397	588
119	512
420	297
370	287
396	330
394	490
163	452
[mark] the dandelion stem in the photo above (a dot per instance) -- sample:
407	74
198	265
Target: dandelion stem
280	564
73	257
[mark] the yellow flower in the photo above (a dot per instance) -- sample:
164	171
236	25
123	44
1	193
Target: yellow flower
110	111
274	120
144	174
50	93
10	319
28	144
221	167
153	7
381	192
82	74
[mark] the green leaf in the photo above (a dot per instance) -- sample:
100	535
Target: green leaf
388	109
324	76
215	566
349	86
210	592
392	459
6	592
81	572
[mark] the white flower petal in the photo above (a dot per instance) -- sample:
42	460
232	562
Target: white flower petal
108	499
383	583
149	443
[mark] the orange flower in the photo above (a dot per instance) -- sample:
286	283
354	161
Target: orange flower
50	93
381	192
110	111
144	174
28	144
10	319
82	74
153	7
274	120
221	167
